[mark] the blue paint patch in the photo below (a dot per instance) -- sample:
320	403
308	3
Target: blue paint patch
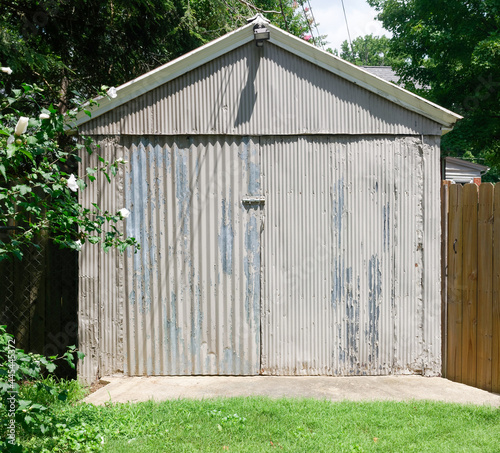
159	155
196	325
338	208
375	291
173	334
243	154
387	226
251	269
167	159
252	168
342	353
182	191
136	200
253	179
226	238
338	281
230	360
352	321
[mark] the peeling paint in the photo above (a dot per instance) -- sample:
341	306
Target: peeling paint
254	179
338	281
196	329
387	226
182	191
252	274
358	304
136	200
230	361
352	321
226	238
173	334
375	291
338	209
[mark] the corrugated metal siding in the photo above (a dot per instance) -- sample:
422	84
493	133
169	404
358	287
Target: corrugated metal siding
101	317
192	293
347	286
349	273
260	91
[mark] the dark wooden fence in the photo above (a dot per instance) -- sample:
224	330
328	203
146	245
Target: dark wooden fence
471	284
39	300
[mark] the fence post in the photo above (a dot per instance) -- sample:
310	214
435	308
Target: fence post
444	275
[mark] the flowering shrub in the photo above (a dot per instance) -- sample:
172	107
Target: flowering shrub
37	181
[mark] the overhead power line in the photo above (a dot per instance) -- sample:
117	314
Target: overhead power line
347	26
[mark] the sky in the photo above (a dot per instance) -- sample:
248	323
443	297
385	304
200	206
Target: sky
360	17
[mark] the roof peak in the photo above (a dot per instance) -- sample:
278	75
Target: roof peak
259	19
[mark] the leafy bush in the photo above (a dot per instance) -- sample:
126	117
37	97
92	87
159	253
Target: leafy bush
26	396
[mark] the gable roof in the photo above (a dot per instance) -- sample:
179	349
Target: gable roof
278	37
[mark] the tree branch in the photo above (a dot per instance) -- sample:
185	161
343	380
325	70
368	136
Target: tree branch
258	9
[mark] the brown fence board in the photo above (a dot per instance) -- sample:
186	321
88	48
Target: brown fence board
472	254
495	347
454	284
469	282
484	285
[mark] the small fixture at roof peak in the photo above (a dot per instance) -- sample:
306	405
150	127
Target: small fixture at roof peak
260	31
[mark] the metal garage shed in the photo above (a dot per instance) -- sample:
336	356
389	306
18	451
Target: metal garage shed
287	205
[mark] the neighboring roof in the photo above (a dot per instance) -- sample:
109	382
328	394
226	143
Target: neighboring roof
383	72
299	47
459	170
388	74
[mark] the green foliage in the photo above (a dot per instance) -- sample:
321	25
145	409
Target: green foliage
257	424
454	51
37	187
368	51
27	398
78	46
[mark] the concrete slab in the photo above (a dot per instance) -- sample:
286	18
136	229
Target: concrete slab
122	389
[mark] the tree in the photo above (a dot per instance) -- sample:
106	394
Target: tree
368	51
79	46
454	50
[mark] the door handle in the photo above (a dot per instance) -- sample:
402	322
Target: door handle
253	200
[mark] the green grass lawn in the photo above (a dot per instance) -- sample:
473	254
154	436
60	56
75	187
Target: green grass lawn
261	425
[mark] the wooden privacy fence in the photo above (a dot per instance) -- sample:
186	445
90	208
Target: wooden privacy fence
471	284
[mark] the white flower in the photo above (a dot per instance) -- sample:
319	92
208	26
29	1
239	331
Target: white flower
7	70
21	125
10	140
112	92
78	245
124	212
44	116
72	183
121	161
